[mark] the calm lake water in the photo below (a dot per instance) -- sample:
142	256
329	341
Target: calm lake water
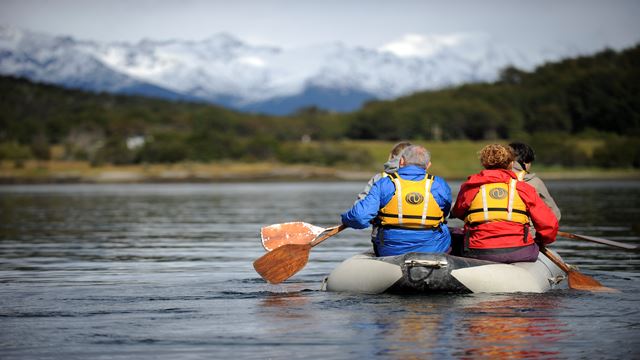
164	272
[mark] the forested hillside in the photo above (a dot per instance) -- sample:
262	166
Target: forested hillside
600	92
594	97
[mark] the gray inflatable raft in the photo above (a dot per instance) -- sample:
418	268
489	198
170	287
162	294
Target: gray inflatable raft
425	273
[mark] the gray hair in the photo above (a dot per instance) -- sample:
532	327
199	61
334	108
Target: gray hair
416	155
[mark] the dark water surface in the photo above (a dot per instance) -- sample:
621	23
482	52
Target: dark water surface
164	272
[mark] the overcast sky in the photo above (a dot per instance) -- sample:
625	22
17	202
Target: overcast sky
585	25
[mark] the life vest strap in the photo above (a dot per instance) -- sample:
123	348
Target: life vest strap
396	180
512	191
485	210
427	193
380	213
497	209
423	228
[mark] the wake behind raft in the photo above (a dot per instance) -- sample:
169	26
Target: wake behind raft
425	273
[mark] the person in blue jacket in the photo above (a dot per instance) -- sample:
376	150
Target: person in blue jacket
409	206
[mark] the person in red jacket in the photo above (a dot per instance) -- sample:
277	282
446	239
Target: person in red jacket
497	210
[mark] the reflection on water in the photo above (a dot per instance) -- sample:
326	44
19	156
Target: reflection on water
164	271
509	328
416	334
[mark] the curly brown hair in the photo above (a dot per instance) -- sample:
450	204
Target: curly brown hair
496	156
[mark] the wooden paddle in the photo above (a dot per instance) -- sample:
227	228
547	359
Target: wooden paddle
577	280
276	235
597	240
283	262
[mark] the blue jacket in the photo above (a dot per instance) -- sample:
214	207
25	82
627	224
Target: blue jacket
401	241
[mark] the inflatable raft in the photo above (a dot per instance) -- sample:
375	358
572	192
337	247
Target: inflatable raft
426	273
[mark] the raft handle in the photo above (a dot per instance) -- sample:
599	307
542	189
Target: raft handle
553	281
435	264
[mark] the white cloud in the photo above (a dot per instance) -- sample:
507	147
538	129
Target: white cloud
416	45
588	25
252	61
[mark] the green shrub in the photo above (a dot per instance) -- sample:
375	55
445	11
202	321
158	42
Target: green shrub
324	154
164	148
212	145
261	147
14	151
40	147
114	151
618	152
558	149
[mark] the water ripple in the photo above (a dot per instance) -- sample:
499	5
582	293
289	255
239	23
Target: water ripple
164	271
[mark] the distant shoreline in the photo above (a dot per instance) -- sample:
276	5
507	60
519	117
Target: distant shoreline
63	172
59	172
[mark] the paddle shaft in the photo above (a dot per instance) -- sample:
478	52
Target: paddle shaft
327	233
554	259
597	240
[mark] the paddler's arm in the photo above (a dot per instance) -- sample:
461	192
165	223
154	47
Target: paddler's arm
463	201
544	194
365	210
369	185
544	221
442	194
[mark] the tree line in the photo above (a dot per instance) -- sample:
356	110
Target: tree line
594	96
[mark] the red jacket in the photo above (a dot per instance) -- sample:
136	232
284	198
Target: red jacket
505	234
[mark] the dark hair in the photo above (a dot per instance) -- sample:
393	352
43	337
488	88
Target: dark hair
524	153
397	148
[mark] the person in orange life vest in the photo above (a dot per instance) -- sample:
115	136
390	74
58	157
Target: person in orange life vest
522	167
497	210
409	207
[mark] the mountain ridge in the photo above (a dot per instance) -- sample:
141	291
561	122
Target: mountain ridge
224	70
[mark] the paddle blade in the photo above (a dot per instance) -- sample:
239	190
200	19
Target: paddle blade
580	281
577	280
276	235
282	263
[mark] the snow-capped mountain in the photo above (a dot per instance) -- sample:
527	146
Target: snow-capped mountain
224	70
